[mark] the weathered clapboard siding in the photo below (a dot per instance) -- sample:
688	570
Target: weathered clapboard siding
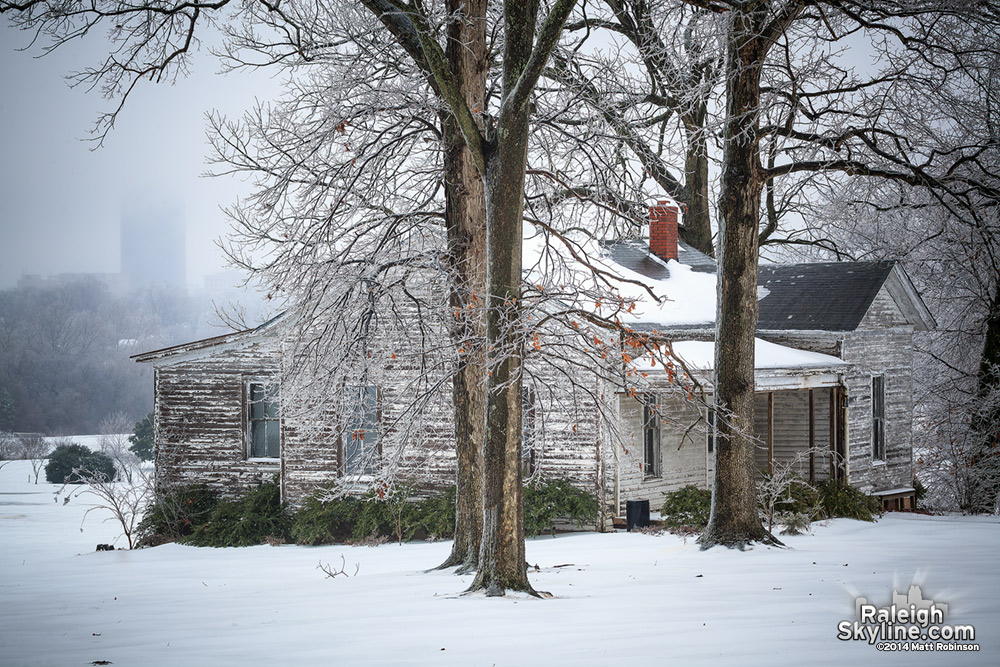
201	425
199	419
683	450
888	353
415	445
825	342
882	344
882	313
569	405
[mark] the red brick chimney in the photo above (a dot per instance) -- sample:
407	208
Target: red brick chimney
663	230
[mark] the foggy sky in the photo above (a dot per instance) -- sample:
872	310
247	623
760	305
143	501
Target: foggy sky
61	202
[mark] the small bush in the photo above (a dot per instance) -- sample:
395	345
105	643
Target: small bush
142	438
795	523
258	517
838	499
175	514
64	458
545	501
687	508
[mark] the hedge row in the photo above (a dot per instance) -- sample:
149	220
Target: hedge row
688	508
194	515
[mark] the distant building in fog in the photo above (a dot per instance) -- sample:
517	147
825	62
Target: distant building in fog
152	244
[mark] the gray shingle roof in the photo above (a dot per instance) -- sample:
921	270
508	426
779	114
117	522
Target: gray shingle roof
831	296
828	297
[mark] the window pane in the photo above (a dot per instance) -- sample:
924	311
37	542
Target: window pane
258	447
360	446
272	434
271	402
256	400
527	422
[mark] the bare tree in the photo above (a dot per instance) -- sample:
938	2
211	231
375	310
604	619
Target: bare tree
776	487
34	448
661	117
8	446
125	500
114	431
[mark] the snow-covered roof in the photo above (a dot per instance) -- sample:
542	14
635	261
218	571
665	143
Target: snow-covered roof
657	293
832	296
700	355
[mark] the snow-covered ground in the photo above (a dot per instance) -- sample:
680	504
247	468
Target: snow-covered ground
618	599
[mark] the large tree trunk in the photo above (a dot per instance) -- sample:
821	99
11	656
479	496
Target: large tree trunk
697	230
501	554
465	218
734	520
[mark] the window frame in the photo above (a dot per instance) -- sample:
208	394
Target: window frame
267	386
878	439
366	471
651	467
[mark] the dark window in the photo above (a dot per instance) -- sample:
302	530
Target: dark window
878	418
360	441
263	421
650	436
527	432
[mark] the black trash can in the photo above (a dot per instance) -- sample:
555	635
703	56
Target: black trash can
636	514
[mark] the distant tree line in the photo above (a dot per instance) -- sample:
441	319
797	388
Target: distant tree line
64	352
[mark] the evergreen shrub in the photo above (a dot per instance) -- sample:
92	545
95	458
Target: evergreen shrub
547	500
919	492
142	438
65	458
839	499
687	508
327	522
242	523
390	515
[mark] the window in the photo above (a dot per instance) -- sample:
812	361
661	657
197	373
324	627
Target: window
359	453
263	421
527	432
650	436
878	418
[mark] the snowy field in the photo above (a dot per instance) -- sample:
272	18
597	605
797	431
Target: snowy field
618	599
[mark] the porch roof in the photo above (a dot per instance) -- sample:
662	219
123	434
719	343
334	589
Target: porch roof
700	355
776	367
